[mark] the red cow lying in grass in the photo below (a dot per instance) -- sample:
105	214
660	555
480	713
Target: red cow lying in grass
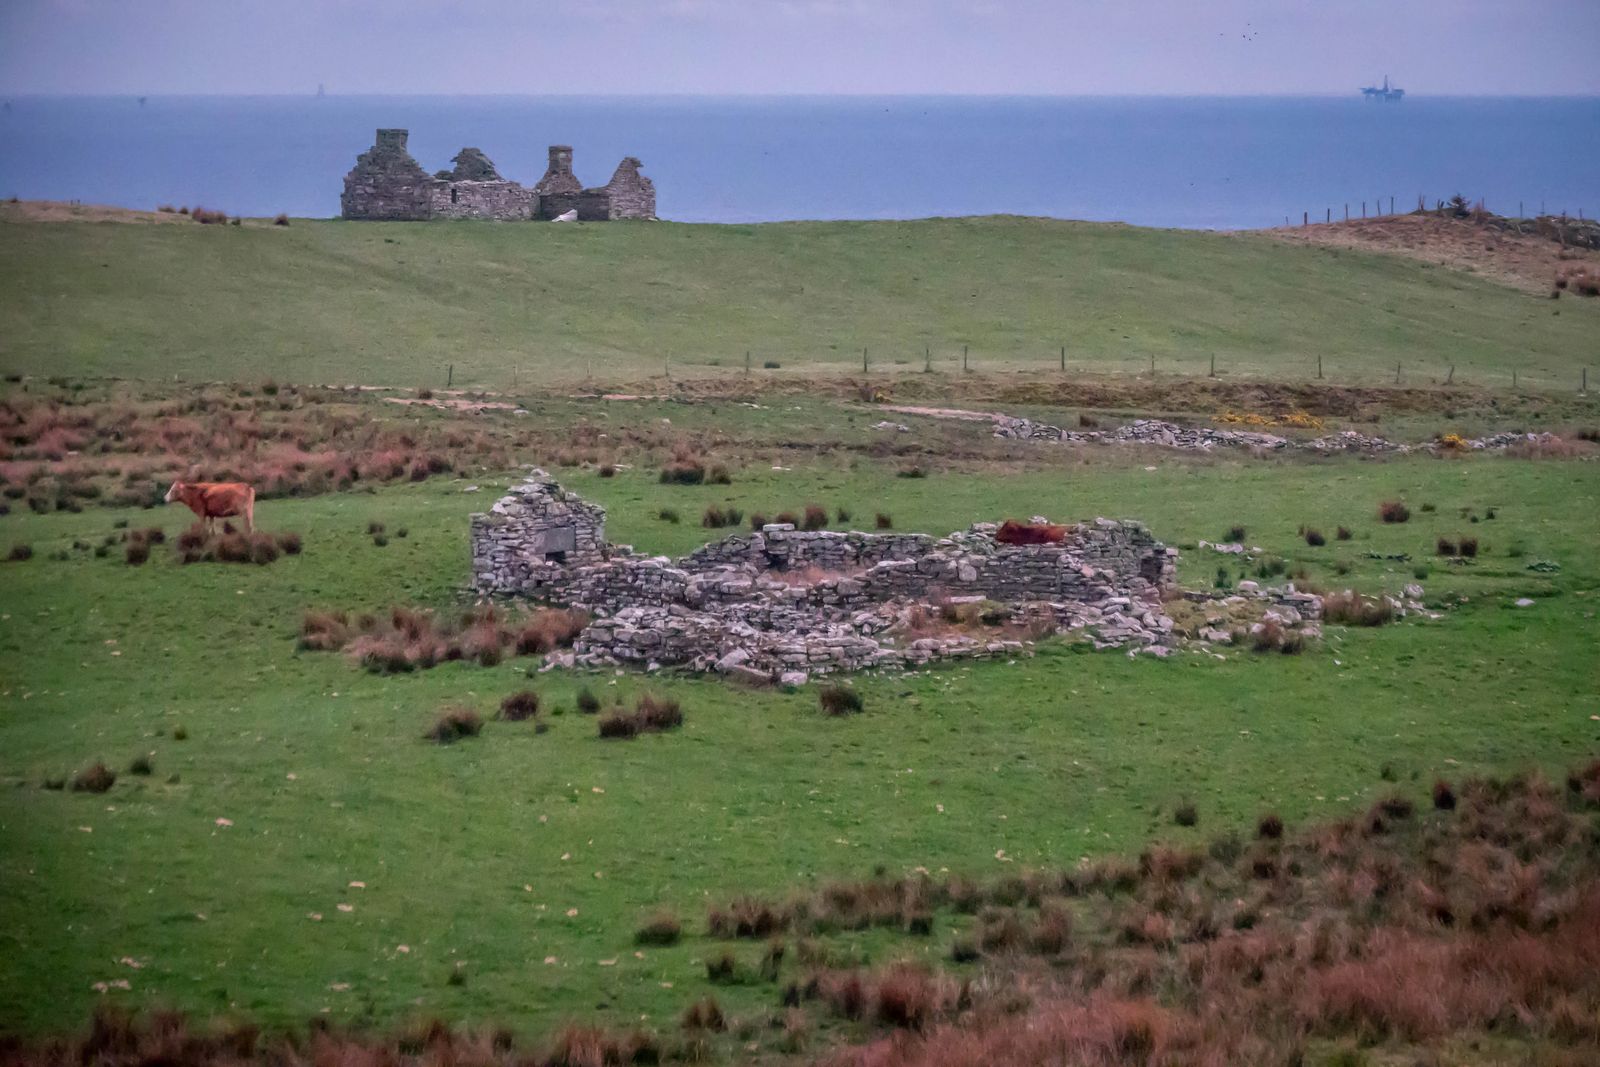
1012	532
215	500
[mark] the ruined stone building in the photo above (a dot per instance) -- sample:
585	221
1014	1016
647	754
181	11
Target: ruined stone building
388	184
781	601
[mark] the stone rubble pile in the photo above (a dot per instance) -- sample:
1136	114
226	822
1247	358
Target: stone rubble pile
1140	431
791	603
1204	439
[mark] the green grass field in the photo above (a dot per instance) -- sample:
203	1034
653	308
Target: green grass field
528	859
398	304
300	851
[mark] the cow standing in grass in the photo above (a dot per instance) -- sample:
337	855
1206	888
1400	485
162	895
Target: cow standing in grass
216	500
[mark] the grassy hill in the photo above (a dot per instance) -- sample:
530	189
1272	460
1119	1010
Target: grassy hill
396	303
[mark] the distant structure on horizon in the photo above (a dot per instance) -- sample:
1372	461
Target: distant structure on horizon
387	184
1384	92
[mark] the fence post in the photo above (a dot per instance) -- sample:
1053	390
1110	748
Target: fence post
1397	372
963	357
1449	379
449	375
1363	209
1583	386
1330	216
1152	364
747	361
1391	205
1305	218
1347	213
1513	379
927	359
1063	357
1319	368
863	361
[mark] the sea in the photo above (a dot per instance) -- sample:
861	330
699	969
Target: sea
1191	162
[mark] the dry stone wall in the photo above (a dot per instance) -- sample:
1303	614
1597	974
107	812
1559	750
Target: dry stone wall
782	601
1205	438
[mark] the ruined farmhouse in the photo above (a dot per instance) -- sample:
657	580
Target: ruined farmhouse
388	184
783	603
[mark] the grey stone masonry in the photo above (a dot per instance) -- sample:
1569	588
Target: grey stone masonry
787	601
628	195
387	184
559	189
473	166
535	538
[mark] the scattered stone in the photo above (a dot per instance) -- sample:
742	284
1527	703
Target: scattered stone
1205	438
781	602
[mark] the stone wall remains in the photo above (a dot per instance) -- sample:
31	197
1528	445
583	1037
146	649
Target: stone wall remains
535	539
628	195
559	190
501	200
388	184
785	600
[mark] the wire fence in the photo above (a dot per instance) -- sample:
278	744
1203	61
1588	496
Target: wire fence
1458	207
1042	363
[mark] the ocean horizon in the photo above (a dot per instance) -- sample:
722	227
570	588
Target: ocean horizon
1195	162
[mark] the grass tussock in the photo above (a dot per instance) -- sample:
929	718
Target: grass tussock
1357	609
1394	511
660	928
95	778
519	706
837	699
196	545
453	724
651	714
406	639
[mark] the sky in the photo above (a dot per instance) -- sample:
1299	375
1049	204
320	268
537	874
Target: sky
1177	47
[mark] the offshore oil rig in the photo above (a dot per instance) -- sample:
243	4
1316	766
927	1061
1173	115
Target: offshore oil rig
1384	92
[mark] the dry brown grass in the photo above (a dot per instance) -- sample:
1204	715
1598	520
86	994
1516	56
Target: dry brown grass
453	724
125	449
1464	927
406	639
1356	609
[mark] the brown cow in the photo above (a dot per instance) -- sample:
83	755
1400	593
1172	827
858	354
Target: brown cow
1012	532
216	500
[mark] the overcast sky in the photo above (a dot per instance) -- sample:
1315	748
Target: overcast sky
1431	47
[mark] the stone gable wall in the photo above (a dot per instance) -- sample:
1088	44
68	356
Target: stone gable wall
628	195
535	539
386	183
